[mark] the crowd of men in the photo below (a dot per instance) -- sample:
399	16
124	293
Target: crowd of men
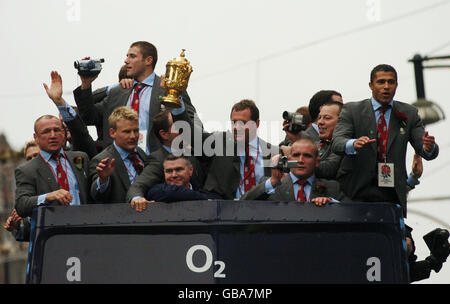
351	151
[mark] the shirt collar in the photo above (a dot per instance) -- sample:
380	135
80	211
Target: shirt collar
148	81
316	127
376	105
47	156
310	179
123	153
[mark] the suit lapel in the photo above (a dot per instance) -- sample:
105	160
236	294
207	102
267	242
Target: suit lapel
286	189
46	174
155	103
121	170
368	122
80	175
394	126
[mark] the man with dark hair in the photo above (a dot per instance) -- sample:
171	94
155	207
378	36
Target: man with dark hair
55	175
326	122
373	135
300	184
143	97
319	99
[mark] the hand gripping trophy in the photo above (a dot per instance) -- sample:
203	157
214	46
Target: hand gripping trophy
177	75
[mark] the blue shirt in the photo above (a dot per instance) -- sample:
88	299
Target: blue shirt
73	184
255	151
144	104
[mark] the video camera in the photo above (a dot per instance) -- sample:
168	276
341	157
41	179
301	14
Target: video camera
295	121
285	165
89	67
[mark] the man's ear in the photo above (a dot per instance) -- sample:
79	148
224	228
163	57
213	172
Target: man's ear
163	134
149	60
112	133
191	170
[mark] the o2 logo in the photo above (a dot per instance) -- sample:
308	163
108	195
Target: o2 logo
208	263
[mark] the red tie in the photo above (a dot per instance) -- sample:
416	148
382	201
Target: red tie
382	135
61	175
301	197
249	171
135	102
137	163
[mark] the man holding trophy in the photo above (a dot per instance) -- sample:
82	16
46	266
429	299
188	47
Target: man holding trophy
144	96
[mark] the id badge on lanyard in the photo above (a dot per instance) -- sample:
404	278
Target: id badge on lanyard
386	174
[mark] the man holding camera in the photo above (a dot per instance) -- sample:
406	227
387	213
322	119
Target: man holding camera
300	184
143	97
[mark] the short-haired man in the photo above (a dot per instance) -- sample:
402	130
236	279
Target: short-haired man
143	97
373	135
177	187
319	99
55	175
301	183
113	170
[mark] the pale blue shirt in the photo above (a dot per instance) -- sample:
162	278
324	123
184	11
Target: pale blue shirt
132	174
144	104
254	146
73	184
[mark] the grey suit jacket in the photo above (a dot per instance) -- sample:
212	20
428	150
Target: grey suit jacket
98	113
329	163
358	173
119	182
34	178
312	134
285	191
224	171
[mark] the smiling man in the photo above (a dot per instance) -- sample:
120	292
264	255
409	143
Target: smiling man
177	187
373	135
113	170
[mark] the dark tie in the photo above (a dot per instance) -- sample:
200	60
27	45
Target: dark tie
135	102
61	175
137	163
301	196
249	171
382	135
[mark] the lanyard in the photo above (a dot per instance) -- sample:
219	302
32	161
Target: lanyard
51	169
130	174
140	94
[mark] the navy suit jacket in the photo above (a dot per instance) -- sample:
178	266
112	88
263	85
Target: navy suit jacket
173	193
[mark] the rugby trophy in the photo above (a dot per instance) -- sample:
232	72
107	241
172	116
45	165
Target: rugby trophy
178	71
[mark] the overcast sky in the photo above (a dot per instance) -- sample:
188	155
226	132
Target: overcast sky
278	53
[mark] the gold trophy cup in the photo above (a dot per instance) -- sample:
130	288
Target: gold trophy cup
178	71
